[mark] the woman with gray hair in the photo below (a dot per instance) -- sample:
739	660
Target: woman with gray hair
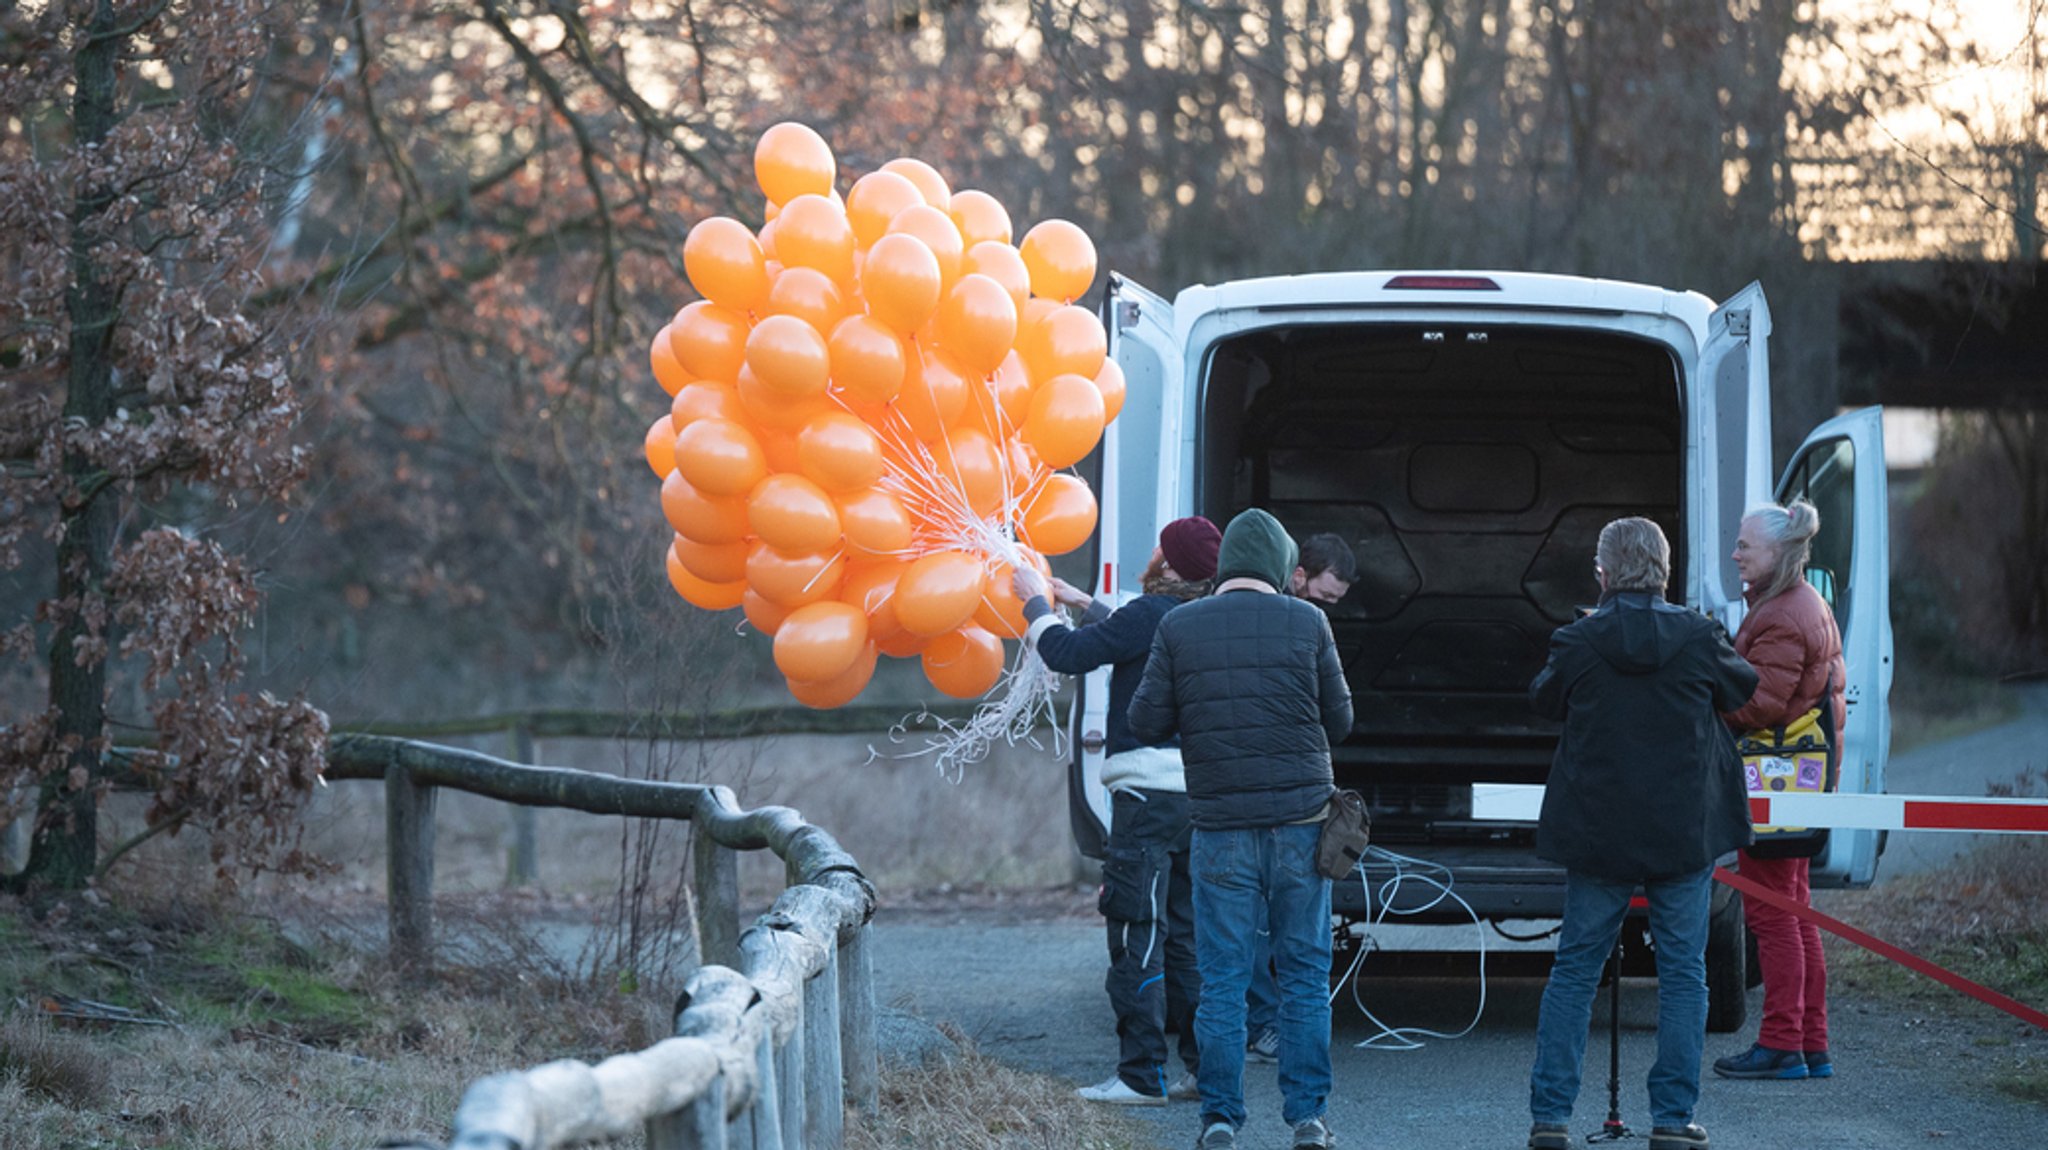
1789	636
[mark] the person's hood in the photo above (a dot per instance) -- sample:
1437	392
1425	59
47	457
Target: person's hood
1633	635
1255	546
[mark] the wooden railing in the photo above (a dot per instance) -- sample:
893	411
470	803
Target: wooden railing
775	1030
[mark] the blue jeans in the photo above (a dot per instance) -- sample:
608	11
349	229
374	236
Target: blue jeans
1241	878
1593	913
1262	1001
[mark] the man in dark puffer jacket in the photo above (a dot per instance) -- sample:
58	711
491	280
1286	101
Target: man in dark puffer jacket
1250	681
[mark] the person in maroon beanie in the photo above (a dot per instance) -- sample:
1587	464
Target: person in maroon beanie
1147	897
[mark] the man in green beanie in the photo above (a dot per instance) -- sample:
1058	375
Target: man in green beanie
1249	679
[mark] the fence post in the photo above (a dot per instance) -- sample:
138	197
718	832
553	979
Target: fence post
824	1092
767	1111
409	868
701	1126
715	888
858	1045
789	1085
520	866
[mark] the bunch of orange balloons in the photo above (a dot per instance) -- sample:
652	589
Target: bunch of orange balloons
870	411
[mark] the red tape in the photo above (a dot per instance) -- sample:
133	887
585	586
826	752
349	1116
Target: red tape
1913	962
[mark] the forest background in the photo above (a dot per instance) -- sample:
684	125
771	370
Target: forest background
323	340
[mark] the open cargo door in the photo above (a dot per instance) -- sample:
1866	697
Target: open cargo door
1840	469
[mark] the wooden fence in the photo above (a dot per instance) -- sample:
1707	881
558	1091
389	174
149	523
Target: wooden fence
773	1032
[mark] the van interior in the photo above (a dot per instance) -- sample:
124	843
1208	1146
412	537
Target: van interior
1471	470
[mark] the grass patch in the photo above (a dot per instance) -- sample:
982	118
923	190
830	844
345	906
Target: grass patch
1986	917
270	1037
973	1102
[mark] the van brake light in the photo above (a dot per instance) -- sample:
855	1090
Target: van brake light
1441	283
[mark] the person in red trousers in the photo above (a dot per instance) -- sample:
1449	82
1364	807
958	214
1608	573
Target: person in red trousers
1790	637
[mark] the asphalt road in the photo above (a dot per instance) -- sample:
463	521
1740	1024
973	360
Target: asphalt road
1028	990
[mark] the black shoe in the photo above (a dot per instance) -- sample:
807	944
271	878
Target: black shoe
1551	1136
1691	1136
1819	1065
1762	1061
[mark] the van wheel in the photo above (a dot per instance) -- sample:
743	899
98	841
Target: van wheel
1727	967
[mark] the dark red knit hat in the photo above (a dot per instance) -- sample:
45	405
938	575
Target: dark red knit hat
1190	547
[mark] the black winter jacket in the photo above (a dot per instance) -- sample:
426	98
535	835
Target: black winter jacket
1122	637
1251	683
1646	782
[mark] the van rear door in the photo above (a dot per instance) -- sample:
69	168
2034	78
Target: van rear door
1134	474
1732	472
1840	469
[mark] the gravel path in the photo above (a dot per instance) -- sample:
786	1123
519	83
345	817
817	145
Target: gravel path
1025	983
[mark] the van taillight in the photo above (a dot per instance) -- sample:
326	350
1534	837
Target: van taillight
1441	283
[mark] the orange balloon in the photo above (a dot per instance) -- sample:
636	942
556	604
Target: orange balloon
792	514
789	356
813	232
720	457
766	617
1060	517
809	295
725	263
712	562
1025	470
1065	420
697	592
706	399
792	160
819	641
1012	386
1001	263
875	522
1000	611
709	341
660	446
874	200
1110	382
779	446
839	452
930	184
980	216
933	397
769	411
668	372
766	238
969	460
872	588
840	689
901	281
965	663
705	518
977	322
1067	340
939	592
790	581
938	232
867	359
1060	258
902	645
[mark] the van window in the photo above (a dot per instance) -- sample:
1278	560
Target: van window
1826	476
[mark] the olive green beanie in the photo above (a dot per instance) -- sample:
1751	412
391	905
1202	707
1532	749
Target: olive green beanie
1255	546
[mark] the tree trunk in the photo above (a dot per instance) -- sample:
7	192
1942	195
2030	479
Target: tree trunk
65	846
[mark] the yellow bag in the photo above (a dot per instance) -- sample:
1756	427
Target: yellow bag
1796	758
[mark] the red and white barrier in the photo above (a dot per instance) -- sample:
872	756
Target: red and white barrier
1522	803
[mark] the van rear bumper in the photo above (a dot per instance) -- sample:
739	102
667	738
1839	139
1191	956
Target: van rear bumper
1496	881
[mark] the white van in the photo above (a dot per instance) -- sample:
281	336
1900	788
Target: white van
1469	434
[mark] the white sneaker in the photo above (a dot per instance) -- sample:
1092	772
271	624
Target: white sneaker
1219	1136
1184	1088
1115	1093
1312	1135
